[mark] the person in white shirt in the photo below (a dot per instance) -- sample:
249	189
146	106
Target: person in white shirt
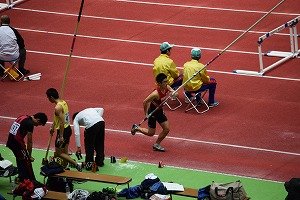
12	45
94	135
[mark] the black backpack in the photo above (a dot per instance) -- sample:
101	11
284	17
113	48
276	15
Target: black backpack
58	184
293	189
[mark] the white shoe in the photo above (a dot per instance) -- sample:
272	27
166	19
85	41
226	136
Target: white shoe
157	147
214	104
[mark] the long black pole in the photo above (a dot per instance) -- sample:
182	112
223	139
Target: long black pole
71	50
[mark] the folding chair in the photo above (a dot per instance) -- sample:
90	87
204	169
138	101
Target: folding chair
178	104
12	71
195	100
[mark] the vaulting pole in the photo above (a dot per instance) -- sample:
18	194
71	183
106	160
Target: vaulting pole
71	50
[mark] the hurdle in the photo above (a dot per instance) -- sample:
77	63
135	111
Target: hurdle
294	53
9	4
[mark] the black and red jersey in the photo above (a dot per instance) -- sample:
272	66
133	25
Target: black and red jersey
162	95
19	129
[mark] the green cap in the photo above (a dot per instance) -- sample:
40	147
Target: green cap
165	46
196	53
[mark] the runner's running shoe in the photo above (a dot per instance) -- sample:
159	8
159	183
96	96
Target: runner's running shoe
134	129
157	147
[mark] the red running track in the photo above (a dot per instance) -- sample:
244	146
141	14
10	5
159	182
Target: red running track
255	130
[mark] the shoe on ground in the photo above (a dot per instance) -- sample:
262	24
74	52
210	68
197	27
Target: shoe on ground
24	71
213	104
134	129
100	164
157	147
79	167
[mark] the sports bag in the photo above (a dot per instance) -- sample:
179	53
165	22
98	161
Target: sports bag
293	189
51	169
228	191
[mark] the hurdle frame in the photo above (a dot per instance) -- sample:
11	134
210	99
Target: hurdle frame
9	4
285	55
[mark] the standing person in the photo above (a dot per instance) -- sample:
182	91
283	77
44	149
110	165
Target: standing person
164	64
150	104
23	126
61	124
12	45
94	134
201	81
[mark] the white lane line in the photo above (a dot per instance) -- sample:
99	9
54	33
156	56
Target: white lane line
130	41
149	22
203	7
150	65
197	141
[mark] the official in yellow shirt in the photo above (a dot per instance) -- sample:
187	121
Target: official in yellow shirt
164	64
201	81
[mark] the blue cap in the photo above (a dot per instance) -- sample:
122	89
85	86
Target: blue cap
196	53
165	46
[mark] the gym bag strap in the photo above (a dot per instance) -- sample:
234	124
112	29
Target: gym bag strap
227	191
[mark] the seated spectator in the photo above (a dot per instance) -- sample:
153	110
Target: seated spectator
201	81
12	45
164	64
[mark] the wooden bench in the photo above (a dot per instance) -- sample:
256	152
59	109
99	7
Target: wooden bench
51	195
188	192
89	176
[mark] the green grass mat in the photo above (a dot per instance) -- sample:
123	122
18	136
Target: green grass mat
256	189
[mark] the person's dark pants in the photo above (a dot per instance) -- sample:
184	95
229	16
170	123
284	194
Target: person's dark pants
1	70
94	141
25	169
22	59
211	90
24	164
177	82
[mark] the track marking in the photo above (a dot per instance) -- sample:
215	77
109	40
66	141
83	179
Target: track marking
130	41
196	141
147	64
148	22
148	43
202	7
141	42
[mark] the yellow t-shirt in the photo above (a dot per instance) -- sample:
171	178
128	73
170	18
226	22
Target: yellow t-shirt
189	69
64	105
164	64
